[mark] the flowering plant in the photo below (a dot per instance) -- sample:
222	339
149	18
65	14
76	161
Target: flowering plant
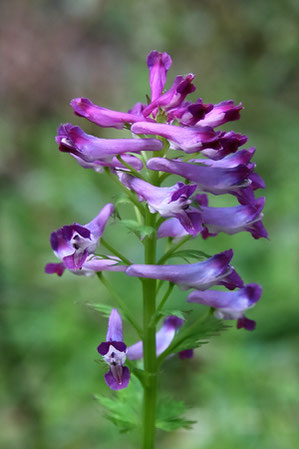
169	133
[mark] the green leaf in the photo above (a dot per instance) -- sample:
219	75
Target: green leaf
124	408
189	254
194	335
103	309
169	415
141	231
122	199
175	312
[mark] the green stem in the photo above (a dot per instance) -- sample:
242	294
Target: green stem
115	252
129	167
132	196
173	249
163	301
121	303
149	341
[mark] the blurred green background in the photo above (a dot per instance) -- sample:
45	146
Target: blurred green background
243	388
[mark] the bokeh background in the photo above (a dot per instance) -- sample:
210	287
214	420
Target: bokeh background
243	388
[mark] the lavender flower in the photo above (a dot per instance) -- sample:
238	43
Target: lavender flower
182	86
75	245
190	140
189	114
229	220
168	201
114	351
158	64
216	180
74	140
201	275
102	116
163	338
223	112
230	305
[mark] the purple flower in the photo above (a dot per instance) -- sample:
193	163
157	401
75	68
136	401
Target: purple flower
228	143
230	220
208	179
202	275
102	116
74	140
114	351
182	86
230	305
223	112
168	201
163	338
158	64
99	164
241	157
189	139
188	114
75	245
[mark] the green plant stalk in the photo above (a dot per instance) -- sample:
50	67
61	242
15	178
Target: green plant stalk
149	341
121	303
115	252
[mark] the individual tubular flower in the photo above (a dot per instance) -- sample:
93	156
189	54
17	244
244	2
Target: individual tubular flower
189	139
228	143
74	140
202	275
102	116
168	201
229	220
158	64
208	179
114	351
174	97
188	114
113	163
223	112
230	305
75	245
163	338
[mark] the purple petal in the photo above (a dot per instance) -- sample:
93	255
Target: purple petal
214	271
208	179
241	157
97	225
113	383
171	228
186	354
102	116
115	327
103	348
74	140
223	112
76	260
189	114
246	323
112	162
163	338
57	268
158	64
97	264
235	219
190	140
182	86
237	301
168	201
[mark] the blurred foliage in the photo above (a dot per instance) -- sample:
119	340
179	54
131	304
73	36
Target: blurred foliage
243	387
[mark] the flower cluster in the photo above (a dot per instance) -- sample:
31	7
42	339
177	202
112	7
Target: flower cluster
172	136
